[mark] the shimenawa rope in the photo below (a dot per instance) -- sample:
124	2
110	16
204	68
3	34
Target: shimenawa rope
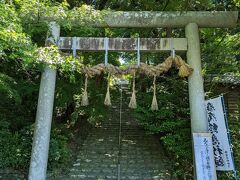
149	70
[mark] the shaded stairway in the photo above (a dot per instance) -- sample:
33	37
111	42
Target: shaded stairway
140	156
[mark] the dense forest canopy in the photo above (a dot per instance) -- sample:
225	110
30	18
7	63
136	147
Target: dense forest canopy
23	33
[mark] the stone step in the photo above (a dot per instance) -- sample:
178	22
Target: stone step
140	155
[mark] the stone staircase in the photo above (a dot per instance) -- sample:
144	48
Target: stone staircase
138	156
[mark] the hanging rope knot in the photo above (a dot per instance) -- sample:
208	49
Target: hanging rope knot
154	106
85	94
184	69
133	103
107	100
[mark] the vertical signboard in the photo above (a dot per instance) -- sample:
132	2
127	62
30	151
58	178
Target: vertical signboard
217	127
204	158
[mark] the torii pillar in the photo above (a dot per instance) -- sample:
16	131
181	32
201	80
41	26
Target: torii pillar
199	123
41	138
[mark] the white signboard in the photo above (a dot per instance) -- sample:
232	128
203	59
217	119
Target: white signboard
204	158
217	127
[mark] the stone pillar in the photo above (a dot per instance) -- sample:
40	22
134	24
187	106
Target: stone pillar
199	122
40	147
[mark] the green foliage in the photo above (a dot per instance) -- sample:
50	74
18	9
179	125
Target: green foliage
237	3
14	43
96	111
221	52
171	121
49	55
178	145
45	11
235	134
15	147
7	88
15	98
58	150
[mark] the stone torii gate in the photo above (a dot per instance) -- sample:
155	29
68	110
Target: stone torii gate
192	21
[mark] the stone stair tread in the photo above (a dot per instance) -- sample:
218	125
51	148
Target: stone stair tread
141	156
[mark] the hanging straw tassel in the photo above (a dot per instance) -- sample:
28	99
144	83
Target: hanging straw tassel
154	106
85	94
133	103
107	100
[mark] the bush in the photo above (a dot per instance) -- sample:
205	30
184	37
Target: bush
58	149
15	148
171	121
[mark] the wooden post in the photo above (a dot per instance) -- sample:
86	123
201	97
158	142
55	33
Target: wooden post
39	156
